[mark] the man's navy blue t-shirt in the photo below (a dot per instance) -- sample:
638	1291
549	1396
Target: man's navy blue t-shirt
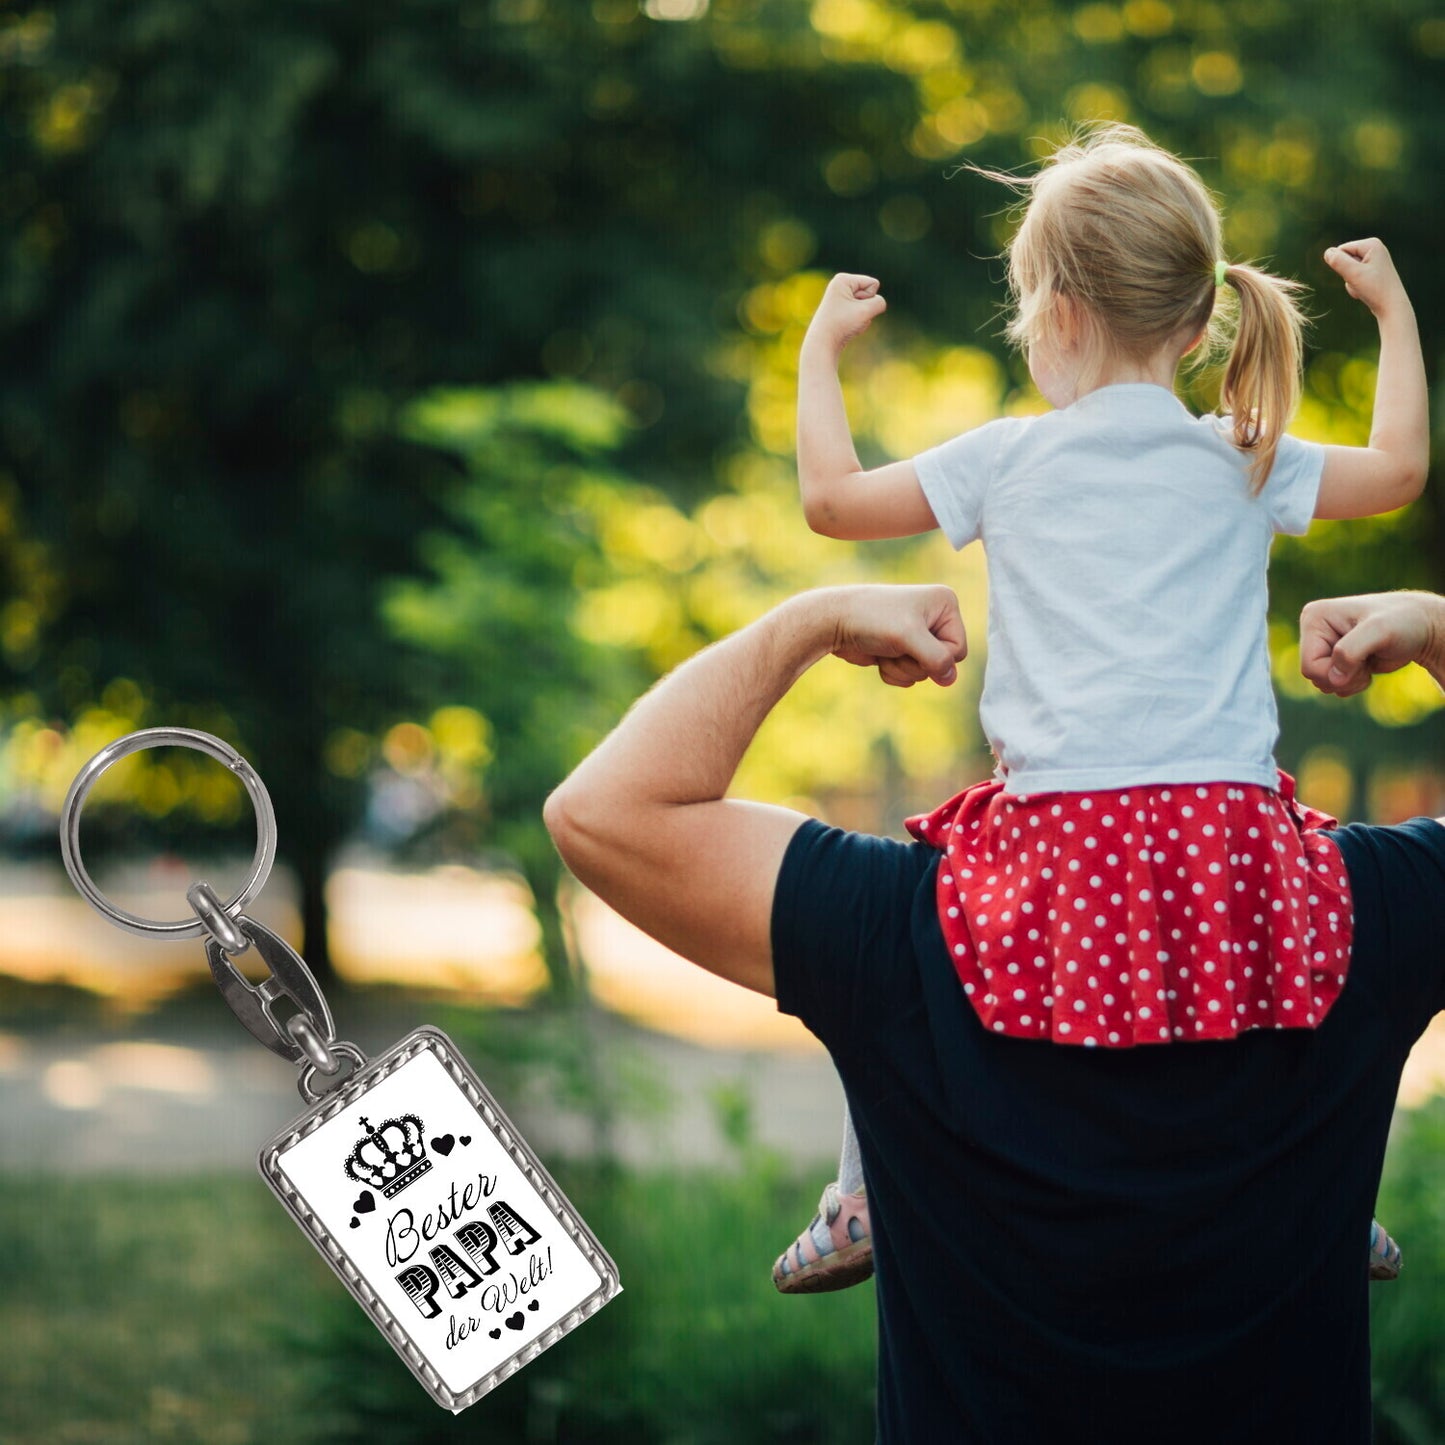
1157	1244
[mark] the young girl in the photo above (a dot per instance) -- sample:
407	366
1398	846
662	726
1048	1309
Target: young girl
1138	871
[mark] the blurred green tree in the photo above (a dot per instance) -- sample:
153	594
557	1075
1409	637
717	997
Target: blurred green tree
492	618
242	236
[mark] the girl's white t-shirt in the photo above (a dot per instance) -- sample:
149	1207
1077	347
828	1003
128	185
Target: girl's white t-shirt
1127	592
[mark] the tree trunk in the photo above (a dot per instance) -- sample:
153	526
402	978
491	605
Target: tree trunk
569	990
892	786
564	976
311	873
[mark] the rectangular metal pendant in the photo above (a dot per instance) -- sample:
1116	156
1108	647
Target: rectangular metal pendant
439	1219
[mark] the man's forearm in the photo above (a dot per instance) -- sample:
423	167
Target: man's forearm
682	742
643	822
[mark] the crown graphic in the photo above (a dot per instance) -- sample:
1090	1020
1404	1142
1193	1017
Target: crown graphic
390	1156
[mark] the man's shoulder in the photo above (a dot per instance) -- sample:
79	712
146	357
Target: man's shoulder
837	874
1372	848
849	912
1397	891
1399	867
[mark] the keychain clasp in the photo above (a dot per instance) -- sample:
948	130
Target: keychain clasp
289	978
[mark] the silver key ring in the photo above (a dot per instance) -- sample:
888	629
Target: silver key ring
86	779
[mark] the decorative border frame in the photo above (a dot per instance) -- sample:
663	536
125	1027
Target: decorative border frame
431	1040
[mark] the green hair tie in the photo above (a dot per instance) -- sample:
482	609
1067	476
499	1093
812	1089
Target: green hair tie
1220	267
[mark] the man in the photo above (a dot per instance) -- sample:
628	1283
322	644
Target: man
1153	1244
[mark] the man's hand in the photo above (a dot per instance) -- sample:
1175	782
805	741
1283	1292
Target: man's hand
1346	641
1369	274
907	633
846	311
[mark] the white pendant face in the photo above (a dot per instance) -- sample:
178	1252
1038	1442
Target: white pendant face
439	1219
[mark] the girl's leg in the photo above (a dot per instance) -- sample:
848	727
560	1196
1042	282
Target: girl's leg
850	1162
836	1249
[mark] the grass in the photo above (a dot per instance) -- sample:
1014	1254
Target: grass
193	1311
144	1312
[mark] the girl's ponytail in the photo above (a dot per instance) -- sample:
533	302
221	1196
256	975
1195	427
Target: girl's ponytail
1261	386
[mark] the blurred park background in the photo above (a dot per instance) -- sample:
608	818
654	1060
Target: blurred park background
395	389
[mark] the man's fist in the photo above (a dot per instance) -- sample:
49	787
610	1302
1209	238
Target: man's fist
907	633
1346	641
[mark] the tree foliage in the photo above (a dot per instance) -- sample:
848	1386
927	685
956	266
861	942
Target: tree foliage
492	619
242	239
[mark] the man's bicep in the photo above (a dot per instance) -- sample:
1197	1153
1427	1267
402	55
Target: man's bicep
701	883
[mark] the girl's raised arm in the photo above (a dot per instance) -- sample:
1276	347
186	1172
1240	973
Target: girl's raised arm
1390	472
840	499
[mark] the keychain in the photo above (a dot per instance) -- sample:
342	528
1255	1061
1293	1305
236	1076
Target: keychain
404	1172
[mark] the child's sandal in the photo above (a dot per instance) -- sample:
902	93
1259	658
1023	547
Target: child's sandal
806	1268
1385	1256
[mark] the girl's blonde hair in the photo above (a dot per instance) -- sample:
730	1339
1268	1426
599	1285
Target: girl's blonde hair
1131	236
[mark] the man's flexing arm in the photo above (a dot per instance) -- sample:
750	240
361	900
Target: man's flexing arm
643	821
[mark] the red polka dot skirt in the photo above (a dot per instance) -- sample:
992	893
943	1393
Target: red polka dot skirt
1141	915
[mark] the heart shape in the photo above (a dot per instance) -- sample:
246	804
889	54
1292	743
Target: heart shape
355	1222
364	1202
516	1321
443	1143
465	1139
495	1334
534	1305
